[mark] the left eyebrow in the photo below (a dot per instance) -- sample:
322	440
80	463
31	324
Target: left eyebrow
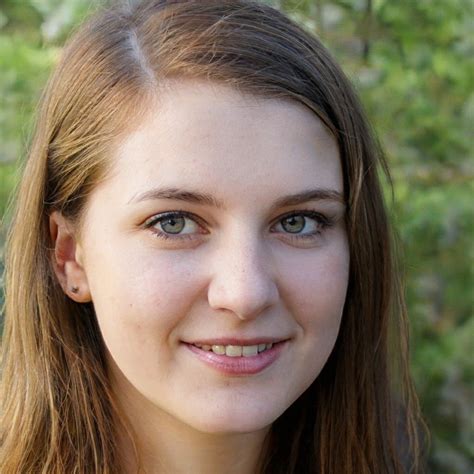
209	200
311	195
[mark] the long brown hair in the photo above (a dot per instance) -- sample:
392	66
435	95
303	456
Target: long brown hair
58	411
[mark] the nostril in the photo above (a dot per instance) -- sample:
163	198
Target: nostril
246	301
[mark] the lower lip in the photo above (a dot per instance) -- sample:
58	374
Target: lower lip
239	365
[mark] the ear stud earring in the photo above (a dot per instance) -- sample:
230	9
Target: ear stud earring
74	289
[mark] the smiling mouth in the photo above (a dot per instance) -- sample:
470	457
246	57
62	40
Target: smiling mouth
234	350
238	360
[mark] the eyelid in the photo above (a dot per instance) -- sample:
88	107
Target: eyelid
304	212
322	220
178	212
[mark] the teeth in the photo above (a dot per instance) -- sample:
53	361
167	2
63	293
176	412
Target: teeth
233	351
249	351
218	349
236	351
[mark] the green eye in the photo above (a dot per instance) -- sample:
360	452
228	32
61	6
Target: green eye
293	224
304	224
176	224
173	225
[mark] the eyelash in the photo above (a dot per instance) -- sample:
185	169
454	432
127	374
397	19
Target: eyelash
323	222
152	221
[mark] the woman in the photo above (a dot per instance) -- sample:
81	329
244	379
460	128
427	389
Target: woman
199	272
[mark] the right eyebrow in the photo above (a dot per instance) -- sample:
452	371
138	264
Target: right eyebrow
178	195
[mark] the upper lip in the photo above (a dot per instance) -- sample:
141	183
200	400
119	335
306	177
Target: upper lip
232	341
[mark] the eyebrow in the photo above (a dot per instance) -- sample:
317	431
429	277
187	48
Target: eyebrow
195	197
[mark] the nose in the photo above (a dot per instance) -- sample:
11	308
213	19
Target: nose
243	281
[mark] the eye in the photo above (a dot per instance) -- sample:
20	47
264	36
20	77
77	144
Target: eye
175	224
303	224
294	224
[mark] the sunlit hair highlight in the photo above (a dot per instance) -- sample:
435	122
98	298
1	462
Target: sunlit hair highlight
58	412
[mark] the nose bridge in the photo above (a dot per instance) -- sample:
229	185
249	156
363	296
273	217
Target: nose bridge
243	279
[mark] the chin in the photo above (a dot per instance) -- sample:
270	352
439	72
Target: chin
235	421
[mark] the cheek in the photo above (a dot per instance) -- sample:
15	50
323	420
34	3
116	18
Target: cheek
317	291
144	295
141	302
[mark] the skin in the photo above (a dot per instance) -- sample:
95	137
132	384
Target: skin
238	272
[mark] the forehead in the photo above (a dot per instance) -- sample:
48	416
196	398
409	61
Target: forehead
211	138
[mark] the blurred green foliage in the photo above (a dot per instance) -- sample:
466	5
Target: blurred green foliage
412	65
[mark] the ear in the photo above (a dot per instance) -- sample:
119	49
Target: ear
67	259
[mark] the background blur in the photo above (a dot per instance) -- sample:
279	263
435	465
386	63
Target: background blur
411	62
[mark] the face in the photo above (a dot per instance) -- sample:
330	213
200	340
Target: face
220	225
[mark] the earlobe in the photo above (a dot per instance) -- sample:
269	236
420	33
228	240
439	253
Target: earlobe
67	260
